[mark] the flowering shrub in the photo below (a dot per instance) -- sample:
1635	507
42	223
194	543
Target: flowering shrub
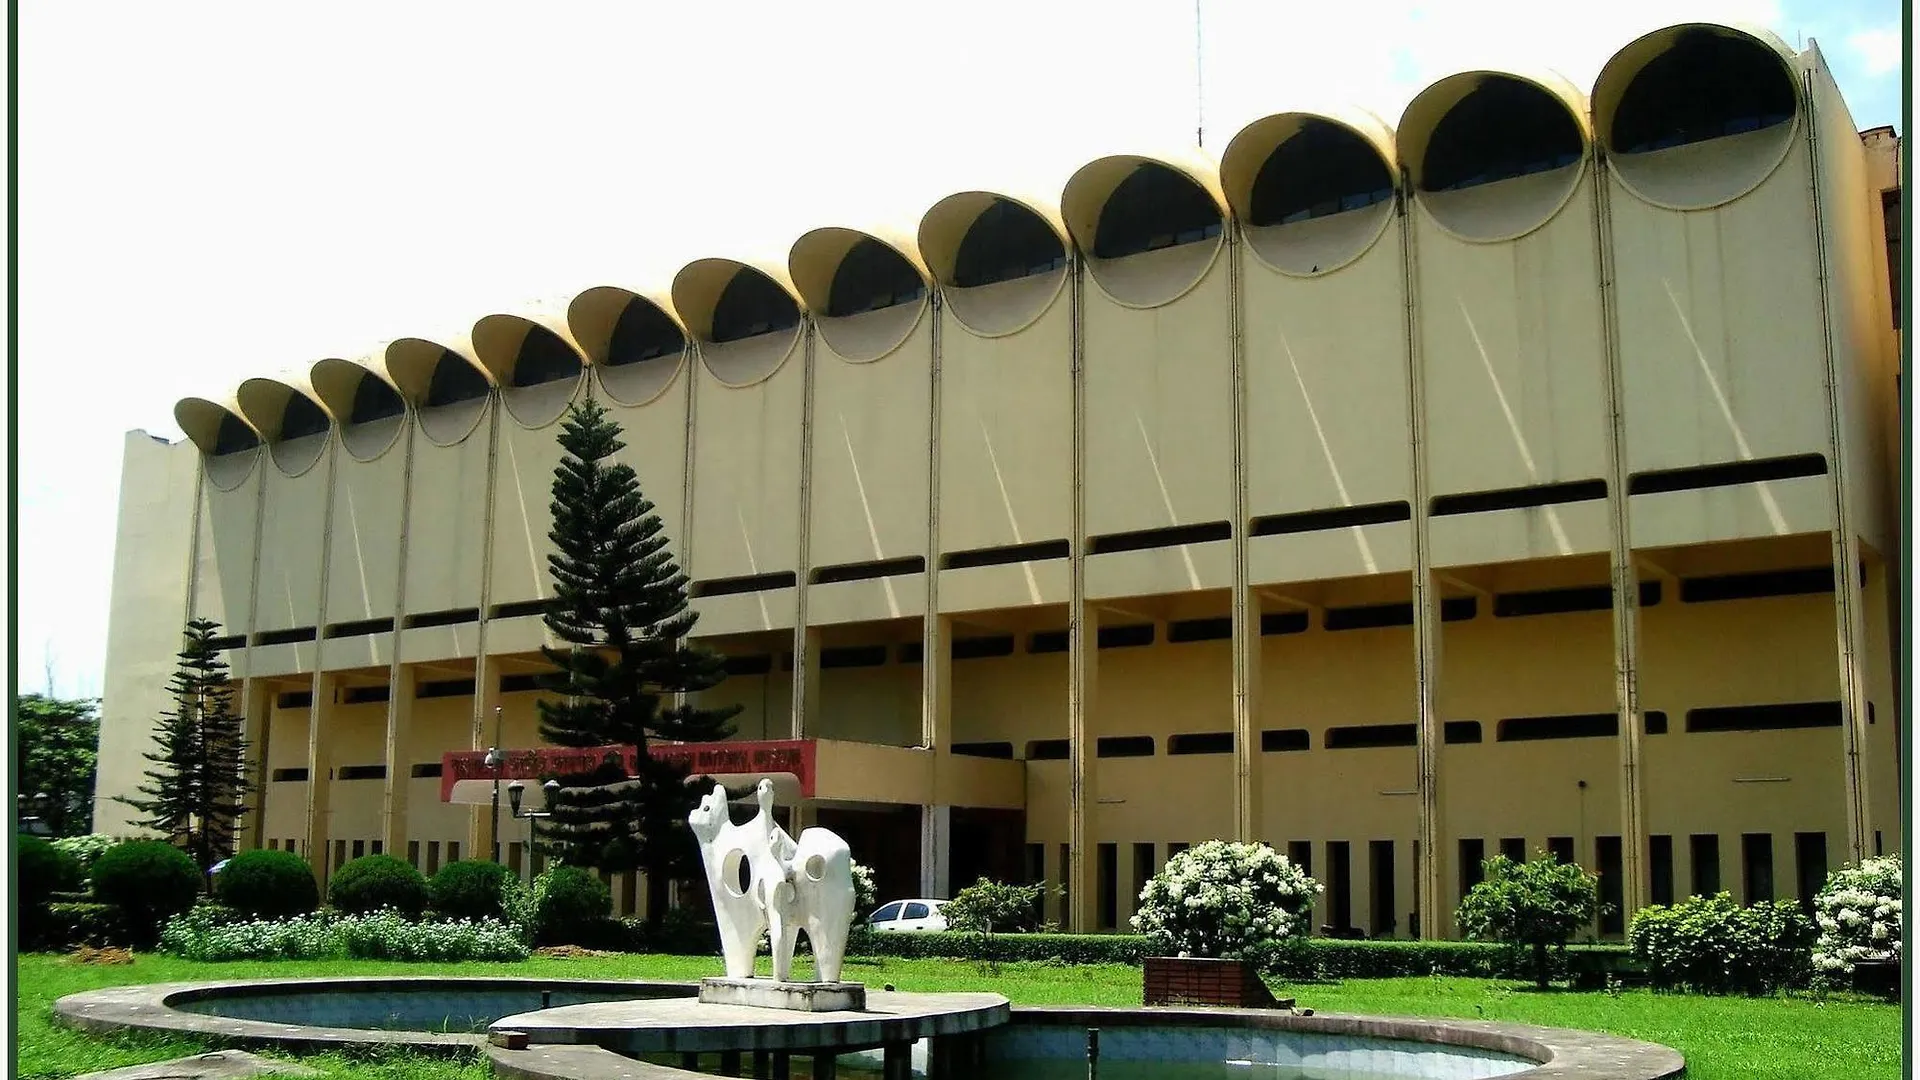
986	906
1714	946
865	896
1228	901
1530	906
1860	916
85	849
201	934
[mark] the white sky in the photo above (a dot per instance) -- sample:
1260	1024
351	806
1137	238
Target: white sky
210	191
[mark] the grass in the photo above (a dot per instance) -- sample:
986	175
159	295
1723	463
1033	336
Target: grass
1723	1038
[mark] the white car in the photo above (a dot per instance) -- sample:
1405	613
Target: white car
908	915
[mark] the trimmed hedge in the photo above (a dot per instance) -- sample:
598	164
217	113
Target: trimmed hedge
268	883
43	870
150	881
69	926
377	882
571	907
470	889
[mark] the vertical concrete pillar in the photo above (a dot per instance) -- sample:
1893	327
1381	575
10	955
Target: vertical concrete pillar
482	840
936	734
256	705
936	846
403	684
1850	626
806	681
1248	816
320	731
1083	645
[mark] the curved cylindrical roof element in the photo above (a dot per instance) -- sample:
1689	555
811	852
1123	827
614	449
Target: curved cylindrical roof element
289	416
534	360
1492	155
1313	190
633	340
1149	225
447	387
367	407
1696	115
1000	258
228	444
866	290
744	314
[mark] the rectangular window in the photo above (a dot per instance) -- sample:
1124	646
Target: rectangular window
1201	742
364	695
1462	731
1142	866
1514	848
361	772
1109	895
1339	886
868	571
1368	617
295	699
1185	630
1655	721
981	648
853	656
445	688
1126	637
1561	848
1472	853
1756	861
1706	863
1047	750
1004	556
751	584
1727	474
285	637
1703	590
527	682
1607	858
1520	498
1553	601
1283	622
1582	726
1380	878
1810	864
429	770
290	775
229	643
1047	641
339	855
453	851
1362	736
1892	224
912	652
442	618
1002	750
1346	517
433	857
516	856
361	628
1804	714
748	665
518	609
413	854
1458	608
359	848
1300	854
1282	740
1118	746
1176	847
1660	868
1148	539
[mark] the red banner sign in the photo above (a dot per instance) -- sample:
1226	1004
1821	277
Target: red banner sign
724	761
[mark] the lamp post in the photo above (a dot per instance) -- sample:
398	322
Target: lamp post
496	760
549	789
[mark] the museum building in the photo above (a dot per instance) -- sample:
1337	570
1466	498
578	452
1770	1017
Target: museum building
1521	476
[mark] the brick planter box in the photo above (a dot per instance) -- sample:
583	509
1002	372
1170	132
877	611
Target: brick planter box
1179	980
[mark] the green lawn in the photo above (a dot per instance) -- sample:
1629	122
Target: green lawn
1723	1038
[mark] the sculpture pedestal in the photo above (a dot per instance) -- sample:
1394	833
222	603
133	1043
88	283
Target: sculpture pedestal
795	996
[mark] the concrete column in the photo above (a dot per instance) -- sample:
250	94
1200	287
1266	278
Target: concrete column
897	1061
936	845
1850	620
806	681
1248	813
823	1065
1083	648
729	1063
1429	890
481	839
320	725
782	1065
393	818
256	705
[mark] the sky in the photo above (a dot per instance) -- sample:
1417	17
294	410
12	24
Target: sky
214	190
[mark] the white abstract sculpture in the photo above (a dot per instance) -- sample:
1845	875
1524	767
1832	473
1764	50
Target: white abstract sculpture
790	886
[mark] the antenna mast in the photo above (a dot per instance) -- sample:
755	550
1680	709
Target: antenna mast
1199	83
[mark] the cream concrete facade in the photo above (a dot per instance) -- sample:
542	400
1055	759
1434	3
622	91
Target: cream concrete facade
1519	474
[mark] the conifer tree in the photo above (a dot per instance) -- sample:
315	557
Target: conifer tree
620	604
194	795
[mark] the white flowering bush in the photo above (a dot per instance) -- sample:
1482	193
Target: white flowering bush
1227	901
206	934
85	849
1859	914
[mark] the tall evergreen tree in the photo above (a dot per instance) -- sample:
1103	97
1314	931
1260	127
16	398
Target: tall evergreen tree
620	604
194	796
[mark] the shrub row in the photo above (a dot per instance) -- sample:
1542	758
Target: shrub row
209	933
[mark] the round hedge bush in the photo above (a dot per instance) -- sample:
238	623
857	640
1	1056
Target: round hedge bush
150	881
378	882
571	903
267	883
470	889
43	870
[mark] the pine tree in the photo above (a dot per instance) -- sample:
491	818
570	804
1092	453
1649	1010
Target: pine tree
194	796
620	604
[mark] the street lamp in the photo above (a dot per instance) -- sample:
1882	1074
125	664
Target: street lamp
496	759
549	789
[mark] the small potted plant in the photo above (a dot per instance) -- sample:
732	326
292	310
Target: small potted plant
1215	917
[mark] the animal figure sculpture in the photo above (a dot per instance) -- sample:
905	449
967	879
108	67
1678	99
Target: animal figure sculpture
792	886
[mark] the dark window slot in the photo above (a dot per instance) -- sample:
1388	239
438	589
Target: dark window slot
442	618
427	770
1126	637
1201	742
1339	888
756	583
1142	866
1300	854
445	688
868	571
361	772
360	629
1727	474
1581	726
1561	848
1705	852
1702	590
365	695
1608	858
1660	868
1520	498
227	643
1001	750
1756	864
853	656
913	652
1283	622
1803	714
981	648
1369	617
1810	865
1284	740
1462	731
1346	517
1217	629
290	775
524	682
1473	852
1890	210
1380	877
1047	641
519	608
759	664
1655	722
1458	608
285	637
1365	736
1553	601
1118	746
1148	539
294	699
1107	864
1513	848
1649	593
1047	750
1041	551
